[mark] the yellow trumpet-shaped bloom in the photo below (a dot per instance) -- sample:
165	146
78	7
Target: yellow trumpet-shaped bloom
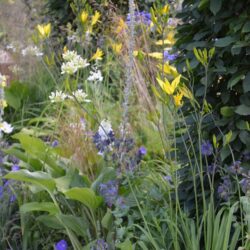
98	55
168	69
178	99
44	30
165	9
95	18
168	87
117	48
84	16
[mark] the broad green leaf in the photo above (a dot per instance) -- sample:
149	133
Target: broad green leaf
39	206
36	148
107	220
227	111
246	83
86	196
224	42
234	80
242	110
246	27
225	152
215	6
39	178
126	245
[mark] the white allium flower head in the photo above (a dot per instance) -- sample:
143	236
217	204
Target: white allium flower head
80	95
69	55
95	76
104	129
57	96
5	127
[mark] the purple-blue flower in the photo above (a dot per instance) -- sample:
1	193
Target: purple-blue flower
169	57
142	150
211	169
54	143
100	245
109	191
15	168
224	188
206	148
141	16
61	245
245	184
236	168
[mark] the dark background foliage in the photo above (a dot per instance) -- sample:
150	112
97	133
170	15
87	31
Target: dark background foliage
224	25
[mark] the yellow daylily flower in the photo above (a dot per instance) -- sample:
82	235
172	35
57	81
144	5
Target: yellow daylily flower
186	92
44	30
95	18
156	55
165	9
168	87
168	69
98	55
178	99
84	16
117	48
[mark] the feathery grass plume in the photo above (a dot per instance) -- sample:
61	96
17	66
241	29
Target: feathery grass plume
129	72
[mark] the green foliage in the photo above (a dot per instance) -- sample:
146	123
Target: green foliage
222	25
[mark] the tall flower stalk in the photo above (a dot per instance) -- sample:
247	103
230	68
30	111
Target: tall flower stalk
129	72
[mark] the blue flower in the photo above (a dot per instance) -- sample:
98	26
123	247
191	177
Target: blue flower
15	168
61	245
211	169
206	148
100	245
245	184
54	143
109	191
141	16
142	150
224	188
169	57
236	168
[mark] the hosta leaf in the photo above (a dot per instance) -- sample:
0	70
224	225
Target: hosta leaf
39	178
86	196
39	206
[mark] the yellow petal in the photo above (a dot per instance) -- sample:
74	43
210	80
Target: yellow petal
121	26
117	47
95	18
164	42
186	92
169	70
165	9
156	55
84	16
98	55
166	86
176	82
178	100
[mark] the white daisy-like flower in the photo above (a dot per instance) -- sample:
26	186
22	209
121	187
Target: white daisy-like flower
5	127
80	95
104	129
57	96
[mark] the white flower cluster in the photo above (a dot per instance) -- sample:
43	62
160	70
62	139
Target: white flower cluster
104	129
32	51
5	127
95	75
73	62
60	96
